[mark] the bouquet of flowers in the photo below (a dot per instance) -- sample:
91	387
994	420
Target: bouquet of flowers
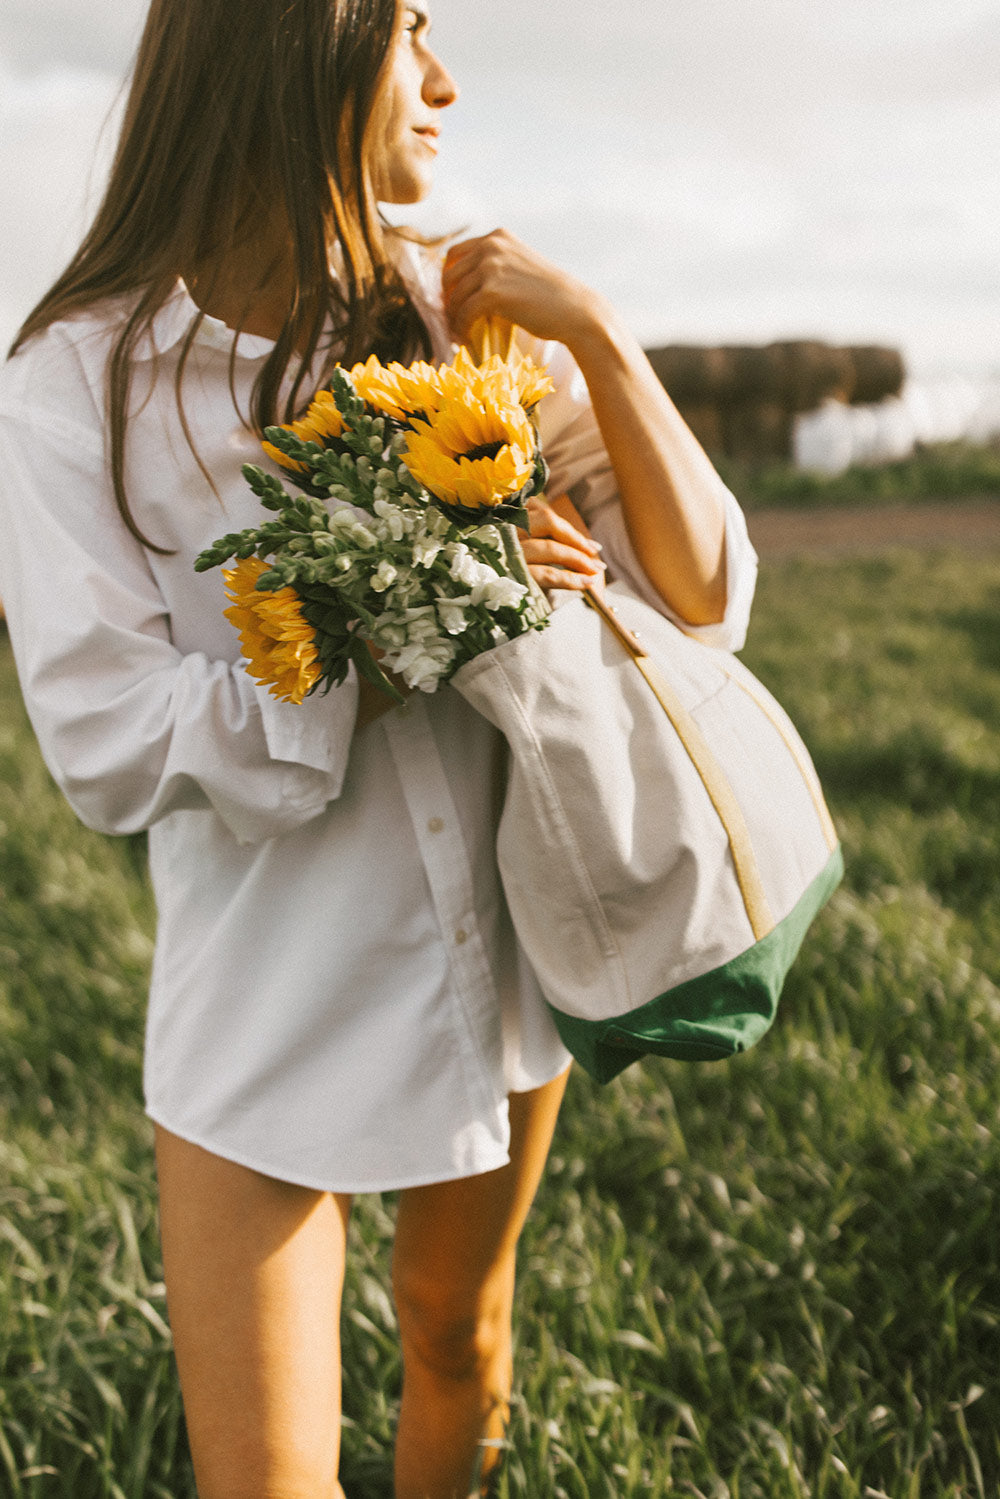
401	553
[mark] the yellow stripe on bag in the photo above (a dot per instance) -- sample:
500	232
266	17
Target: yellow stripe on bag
720	792
793	744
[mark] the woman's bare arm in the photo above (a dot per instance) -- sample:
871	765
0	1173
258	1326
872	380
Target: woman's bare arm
670	493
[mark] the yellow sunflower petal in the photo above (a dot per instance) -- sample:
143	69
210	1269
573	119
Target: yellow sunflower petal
431	467
321	424
398	390
276	639
462	425
489	481
283	459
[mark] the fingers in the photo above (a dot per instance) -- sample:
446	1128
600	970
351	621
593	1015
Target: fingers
462	282
461	278
560	520
471	251
554	574
555	554
497	274
558	553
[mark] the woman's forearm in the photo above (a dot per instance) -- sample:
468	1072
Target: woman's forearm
669	490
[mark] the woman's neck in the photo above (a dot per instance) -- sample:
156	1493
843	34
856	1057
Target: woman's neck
249	289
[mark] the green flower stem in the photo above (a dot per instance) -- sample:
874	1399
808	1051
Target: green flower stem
538	604
369	668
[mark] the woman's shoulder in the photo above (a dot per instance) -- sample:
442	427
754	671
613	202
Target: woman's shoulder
58	373
62	369
66	358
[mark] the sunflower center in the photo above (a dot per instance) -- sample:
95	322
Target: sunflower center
485	450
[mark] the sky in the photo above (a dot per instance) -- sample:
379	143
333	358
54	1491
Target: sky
723	170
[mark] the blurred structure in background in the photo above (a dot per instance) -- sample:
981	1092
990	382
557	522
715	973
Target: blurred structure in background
821	406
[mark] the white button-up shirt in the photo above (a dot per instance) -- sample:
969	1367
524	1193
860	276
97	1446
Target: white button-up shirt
337	998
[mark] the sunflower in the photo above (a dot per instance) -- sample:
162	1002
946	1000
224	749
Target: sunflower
397	390
322	423
472	453
278	642
477	449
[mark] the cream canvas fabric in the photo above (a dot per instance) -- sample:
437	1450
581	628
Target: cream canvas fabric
663	828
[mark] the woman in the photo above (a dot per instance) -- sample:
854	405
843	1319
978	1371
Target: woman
338	1003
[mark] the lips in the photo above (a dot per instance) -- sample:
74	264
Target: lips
429	135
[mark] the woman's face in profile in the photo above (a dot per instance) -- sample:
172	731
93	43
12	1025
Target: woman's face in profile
416	89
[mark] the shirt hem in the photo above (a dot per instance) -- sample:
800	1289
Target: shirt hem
549	1076
315	1184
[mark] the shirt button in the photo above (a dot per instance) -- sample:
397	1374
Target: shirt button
461	936
435	825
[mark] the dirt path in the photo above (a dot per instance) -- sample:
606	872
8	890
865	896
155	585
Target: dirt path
972	525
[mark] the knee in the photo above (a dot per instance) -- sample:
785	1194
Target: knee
455	1333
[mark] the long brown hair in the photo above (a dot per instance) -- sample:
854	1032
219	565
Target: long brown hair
238	116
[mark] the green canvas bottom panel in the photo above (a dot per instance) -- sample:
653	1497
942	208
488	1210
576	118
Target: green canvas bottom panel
709	1017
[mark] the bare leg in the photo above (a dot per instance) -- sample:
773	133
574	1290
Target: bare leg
453	1270
254	1270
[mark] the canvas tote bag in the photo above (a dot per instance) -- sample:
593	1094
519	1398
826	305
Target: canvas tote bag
664	842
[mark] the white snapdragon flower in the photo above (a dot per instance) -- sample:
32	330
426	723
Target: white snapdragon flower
384	576
422	623
418	622
345	525
465	568
499	593
380	530
422	664
388	635
426	550
397	522
407	590
452	614
436	523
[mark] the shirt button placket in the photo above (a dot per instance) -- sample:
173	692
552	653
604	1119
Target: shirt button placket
449	874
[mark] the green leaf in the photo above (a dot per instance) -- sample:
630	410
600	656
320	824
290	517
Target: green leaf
369	668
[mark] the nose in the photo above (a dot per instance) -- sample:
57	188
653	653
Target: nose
439	89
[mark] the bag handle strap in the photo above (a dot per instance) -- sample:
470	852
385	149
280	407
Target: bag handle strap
713	777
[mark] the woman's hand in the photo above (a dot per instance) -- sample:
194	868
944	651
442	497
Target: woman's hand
496	275
559	549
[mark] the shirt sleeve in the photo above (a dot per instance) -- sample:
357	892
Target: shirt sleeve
581	468
131	728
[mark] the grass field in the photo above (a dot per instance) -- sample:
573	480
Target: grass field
779	1277
935	473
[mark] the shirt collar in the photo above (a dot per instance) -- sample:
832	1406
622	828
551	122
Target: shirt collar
174	319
